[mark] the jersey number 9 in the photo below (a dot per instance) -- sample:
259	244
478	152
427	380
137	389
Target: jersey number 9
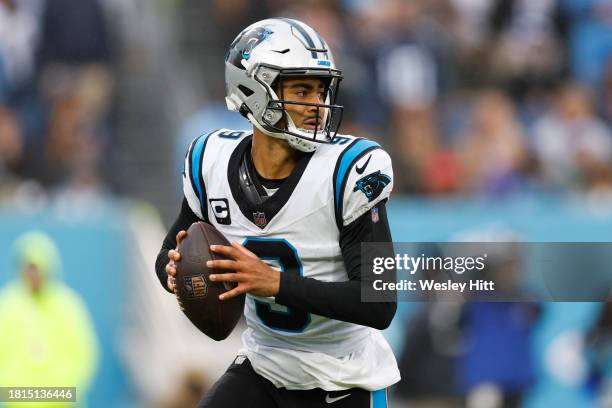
281	251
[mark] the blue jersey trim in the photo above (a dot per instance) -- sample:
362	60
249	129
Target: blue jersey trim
198	150
346	160
197	158
379	398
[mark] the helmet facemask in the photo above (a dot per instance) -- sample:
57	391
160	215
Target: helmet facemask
328	115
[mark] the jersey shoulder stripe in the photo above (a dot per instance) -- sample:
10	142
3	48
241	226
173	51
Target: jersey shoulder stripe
357	149
202	156
196	157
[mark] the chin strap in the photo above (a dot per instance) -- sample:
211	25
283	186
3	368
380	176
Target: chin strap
262	129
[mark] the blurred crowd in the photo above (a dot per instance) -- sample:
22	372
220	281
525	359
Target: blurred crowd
473	97
56	86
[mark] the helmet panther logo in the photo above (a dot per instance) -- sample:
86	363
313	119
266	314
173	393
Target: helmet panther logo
243	46
372	185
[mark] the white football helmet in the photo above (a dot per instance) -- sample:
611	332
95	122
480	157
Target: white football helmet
260	58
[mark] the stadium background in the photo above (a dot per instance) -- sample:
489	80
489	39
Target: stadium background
497	114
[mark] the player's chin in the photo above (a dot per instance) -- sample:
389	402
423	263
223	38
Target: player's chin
310	128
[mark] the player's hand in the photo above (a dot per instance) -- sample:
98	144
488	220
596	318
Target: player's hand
252	274
174	256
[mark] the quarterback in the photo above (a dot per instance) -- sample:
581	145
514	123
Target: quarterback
296	199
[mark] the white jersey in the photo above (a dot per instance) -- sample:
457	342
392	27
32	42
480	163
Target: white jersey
297	230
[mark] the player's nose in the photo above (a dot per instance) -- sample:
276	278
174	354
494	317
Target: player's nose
314	108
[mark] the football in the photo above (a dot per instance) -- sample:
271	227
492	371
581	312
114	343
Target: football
198	297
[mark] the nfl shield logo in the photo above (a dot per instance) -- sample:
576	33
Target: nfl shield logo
375	217
260	219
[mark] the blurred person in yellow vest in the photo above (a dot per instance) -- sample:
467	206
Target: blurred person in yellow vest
47	337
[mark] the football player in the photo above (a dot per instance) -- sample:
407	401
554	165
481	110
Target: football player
297	200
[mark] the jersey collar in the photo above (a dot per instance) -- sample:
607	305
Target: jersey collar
261	214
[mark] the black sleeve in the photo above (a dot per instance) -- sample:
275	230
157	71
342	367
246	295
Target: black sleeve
184	220
342	300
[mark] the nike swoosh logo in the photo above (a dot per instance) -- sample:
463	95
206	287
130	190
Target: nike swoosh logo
331	400
362	168
281	52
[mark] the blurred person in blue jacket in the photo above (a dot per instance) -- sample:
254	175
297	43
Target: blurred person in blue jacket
589	37
496	368
600	350
51	340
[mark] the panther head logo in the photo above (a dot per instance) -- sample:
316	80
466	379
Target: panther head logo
372	185
242	46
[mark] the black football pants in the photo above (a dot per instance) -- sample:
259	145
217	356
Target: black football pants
242	387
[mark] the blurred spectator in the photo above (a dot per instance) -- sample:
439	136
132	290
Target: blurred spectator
589	38
442	173
76	142
570	141
473	21
604	100
74	33
526	44
497	367
412	66
19	39
19	34
486	343
11	145
52	342
428	361
77	79
492	149
600	348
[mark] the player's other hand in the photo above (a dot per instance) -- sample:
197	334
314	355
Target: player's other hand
174	256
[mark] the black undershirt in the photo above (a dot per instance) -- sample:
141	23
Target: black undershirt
335	300
259	179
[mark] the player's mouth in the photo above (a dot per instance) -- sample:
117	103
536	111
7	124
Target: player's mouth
312	124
